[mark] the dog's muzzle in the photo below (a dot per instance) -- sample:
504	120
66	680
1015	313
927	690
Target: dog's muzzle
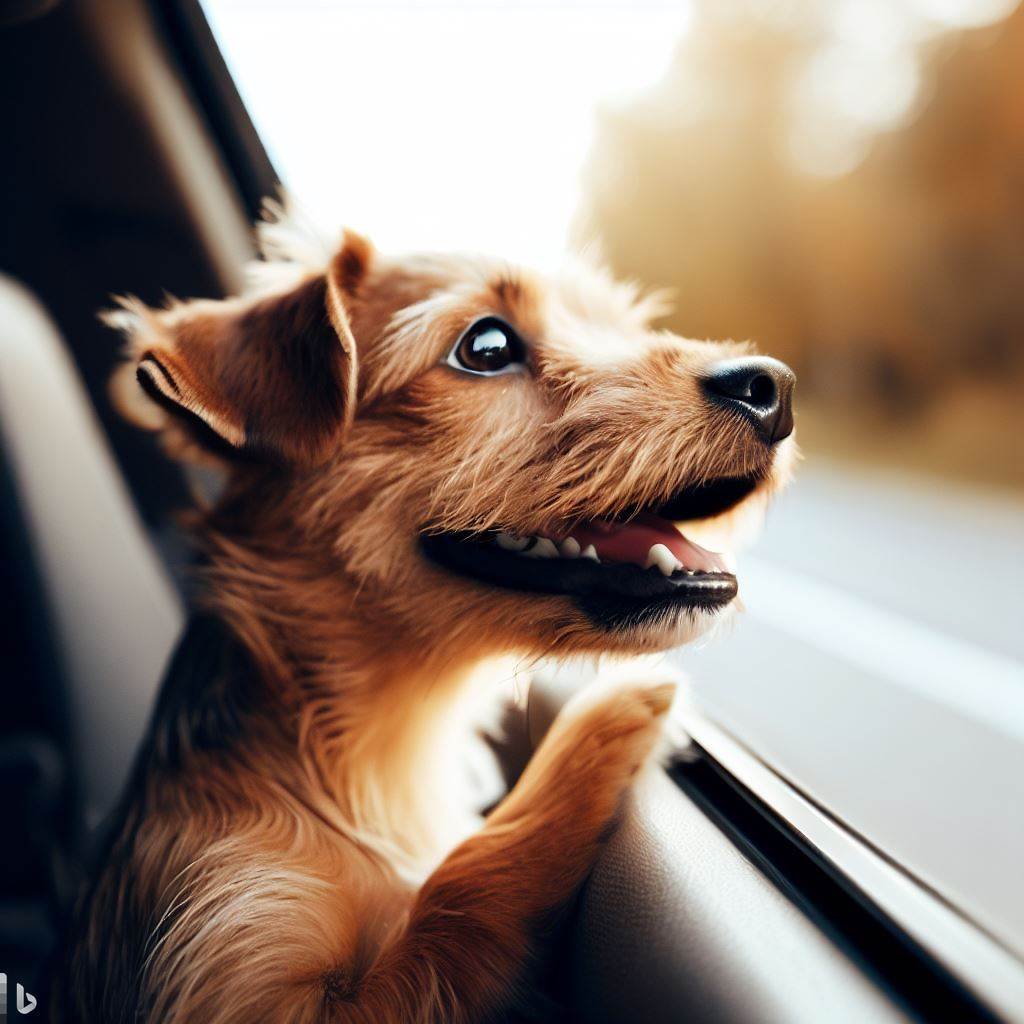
620	570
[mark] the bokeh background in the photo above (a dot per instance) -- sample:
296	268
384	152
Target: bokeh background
841	181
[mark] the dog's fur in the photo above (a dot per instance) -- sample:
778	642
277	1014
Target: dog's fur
298	843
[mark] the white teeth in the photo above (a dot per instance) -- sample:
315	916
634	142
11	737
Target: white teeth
569	548
663	558
510	542
543	549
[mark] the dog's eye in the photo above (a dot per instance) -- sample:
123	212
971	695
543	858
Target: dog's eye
489	347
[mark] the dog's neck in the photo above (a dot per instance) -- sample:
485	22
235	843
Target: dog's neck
385	719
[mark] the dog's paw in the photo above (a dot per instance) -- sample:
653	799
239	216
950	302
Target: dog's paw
617	722
653	685
602	738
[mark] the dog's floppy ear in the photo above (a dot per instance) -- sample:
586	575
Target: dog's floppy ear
270	377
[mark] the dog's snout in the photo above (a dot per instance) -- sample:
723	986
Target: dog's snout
760	388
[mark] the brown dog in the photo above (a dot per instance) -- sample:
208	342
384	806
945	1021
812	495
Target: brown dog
434	462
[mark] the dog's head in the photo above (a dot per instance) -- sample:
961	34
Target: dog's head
486	453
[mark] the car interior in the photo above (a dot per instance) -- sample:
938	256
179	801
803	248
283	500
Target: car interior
131	167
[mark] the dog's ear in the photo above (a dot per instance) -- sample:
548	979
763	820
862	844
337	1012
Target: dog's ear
272	377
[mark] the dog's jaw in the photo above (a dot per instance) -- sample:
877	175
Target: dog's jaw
639	583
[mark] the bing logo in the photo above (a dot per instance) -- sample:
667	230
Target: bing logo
24	1002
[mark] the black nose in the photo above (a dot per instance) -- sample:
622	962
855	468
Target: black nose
760	388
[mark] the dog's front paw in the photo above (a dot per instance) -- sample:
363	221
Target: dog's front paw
658	681
617	720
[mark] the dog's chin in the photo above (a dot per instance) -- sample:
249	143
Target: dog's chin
656	631
639	581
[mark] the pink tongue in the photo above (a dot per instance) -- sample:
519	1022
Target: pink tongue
630	542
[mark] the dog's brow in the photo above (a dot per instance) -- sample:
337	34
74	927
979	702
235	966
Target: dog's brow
509	289
518	296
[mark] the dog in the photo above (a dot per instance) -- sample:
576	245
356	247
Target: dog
433	464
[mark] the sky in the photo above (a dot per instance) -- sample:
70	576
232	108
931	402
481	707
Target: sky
449	127
458	125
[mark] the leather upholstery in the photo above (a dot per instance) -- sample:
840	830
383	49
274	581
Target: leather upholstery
113	613
676	924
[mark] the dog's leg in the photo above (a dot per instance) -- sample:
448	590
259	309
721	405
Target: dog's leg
468	939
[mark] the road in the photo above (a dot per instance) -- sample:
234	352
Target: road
879	666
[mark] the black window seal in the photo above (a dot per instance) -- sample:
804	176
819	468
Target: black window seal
858	926
193	47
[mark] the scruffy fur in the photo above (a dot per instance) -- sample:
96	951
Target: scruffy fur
299	842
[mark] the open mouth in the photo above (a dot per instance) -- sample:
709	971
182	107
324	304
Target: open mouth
618	570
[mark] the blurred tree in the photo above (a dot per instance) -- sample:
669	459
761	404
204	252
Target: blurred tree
892	282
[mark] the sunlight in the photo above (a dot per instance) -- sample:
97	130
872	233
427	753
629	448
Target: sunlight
865	77
435	135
